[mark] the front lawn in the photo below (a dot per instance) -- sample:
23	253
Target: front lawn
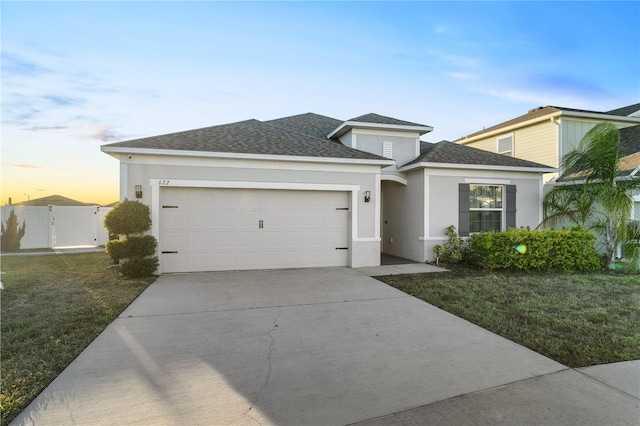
53	306
575	319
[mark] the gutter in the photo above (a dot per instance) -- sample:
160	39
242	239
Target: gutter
115	151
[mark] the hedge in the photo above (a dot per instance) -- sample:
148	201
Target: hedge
524	249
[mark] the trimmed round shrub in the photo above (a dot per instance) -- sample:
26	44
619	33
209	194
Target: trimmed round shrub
116	249
139	267
128	217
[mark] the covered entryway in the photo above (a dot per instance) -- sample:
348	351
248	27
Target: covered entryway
218	229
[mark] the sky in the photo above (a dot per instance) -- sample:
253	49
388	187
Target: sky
78	75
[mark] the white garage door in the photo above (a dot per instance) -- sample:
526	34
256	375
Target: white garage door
204	229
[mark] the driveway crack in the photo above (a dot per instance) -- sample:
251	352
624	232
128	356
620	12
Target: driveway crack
268	377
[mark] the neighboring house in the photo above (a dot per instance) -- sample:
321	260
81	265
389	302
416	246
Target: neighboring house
51	200
310	190
546	134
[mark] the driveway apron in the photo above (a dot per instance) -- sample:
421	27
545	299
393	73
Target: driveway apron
327	346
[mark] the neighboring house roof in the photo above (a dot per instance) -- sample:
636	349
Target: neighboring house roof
244	137
376	121
309	124
625	111
629	151
546	112
449	153
54	200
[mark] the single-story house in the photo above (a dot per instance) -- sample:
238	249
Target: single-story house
310	190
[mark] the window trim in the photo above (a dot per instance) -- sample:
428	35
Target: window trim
509	152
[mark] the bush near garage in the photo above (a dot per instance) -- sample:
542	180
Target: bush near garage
524	249
133	253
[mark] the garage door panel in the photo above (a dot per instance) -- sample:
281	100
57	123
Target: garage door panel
219	229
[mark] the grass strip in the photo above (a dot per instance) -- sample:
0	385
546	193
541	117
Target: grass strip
575	319
53	306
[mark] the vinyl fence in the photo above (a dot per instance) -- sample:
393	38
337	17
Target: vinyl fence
60	226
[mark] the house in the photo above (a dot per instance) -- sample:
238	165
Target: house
310	190
546	134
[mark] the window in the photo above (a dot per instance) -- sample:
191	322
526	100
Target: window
505	145
387	149
484	207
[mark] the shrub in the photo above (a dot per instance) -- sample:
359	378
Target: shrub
133	253
138	267
454	250
128	217
116	249
523	249
12	233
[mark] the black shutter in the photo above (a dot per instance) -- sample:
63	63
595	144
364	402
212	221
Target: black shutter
511	206
463	209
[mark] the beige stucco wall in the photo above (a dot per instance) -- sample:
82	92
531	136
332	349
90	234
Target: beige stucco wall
141	169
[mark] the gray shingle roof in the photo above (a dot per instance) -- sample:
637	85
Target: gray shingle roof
451	153
381	119
309	124
247	137
629	149
625	111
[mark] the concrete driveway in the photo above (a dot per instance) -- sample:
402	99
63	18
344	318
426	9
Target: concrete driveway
311	347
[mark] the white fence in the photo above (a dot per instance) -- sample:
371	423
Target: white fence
60	226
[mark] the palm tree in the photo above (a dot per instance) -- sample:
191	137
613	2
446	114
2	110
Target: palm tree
593	194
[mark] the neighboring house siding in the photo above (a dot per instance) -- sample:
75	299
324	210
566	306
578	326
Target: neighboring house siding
572	133
538	143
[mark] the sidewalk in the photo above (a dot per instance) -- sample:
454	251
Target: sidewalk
58	250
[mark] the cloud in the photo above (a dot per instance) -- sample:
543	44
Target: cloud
27	166
16	64
547	89
463	76
64	100
101	132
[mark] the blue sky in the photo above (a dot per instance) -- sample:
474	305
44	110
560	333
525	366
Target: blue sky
76	75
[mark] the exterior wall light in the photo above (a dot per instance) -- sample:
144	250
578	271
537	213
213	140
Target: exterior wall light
138	191
367	196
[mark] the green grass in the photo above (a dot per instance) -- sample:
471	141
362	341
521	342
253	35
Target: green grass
53	306
575	319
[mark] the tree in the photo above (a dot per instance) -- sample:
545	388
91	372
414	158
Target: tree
594	196
12	233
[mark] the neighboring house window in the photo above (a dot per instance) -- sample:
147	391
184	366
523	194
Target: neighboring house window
505	145
482	208
387	149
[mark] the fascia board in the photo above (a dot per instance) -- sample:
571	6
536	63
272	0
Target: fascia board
550	116
181	153
344	127
478	167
